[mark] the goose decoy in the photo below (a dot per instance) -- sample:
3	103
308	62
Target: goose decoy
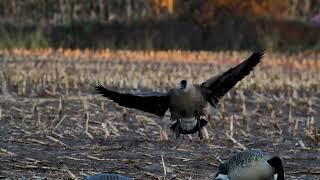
107	176
186	102
251	165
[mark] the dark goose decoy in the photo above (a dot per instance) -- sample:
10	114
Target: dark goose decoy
251	165
107	176
192	102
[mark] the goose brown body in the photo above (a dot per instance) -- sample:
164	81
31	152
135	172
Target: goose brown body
184	103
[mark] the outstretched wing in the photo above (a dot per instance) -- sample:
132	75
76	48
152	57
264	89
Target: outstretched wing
153	102
219	85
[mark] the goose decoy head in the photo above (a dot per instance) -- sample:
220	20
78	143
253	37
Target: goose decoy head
223	173
183	84
107	176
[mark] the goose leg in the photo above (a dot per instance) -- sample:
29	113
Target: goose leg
200	130
197	117
177	129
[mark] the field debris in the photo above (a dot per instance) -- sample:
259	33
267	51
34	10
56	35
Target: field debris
48	114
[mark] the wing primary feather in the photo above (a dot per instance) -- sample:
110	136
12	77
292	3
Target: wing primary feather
153	102
219	85
97	87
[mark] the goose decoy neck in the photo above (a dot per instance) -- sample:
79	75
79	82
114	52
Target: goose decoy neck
183	84
276	163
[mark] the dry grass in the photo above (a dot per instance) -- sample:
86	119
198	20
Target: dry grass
52	126
51	68
304	60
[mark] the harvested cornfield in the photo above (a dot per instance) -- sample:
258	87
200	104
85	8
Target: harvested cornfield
52	125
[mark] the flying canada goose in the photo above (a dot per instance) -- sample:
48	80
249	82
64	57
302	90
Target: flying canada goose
189	104
251	165
107	176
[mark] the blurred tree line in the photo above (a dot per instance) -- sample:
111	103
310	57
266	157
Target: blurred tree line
65	11
159	24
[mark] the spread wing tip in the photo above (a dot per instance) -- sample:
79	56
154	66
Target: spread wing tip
155	104
258	55
254	59
96	87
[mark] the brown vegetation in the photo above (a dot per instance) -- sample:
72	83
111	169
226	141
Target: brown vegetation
307	60
64	12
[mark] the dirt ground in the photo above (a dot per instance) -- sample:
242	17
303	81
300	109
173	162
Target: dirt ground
59	136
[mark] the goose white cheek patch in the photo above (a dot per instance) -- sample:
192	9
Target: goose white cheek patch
222	177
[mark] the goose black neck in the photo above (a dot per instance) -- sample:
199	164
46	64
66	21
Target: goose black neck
223	169
276	163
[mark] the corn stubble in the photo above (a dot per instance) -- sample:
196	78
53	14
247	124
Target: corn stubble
279	100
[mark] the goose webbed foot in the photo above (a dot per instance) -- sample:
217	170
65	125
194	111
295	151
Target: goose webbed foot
201	123
176	127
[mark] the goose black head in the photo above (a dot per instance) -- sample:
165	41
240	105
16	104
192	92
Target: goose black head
183	84
223	173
